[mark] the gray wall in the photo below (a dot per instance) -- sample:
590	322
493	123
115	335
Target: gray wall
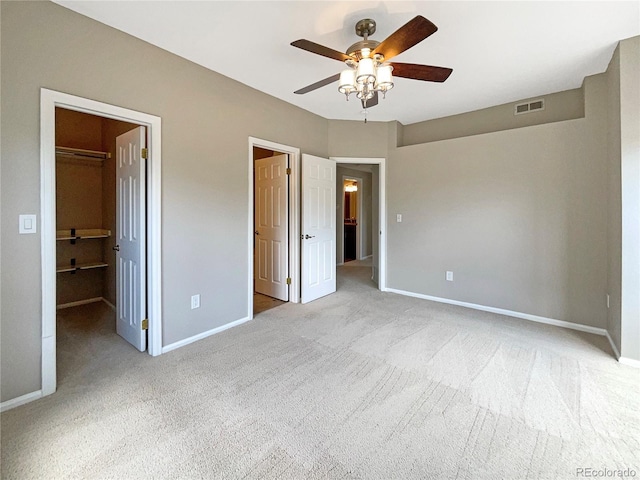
206	119
358	139
519	216
559	106
522	228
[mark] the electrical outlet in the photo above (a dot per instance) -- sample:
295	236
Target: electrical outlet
449	276
399	217
195	301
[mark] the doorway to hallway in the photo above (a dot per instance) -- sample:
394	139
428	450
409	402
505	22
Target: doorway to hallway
358	217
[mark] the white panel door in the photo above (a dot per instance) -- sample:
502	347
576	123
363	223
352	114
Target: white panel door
318	235
271	251
130	234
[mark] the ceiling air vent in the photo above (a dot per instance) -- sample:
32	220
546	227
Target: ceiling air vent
529	107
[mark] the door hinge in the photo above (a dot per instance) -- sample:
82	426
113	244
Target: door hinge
288	171
145	324
288	280
144	153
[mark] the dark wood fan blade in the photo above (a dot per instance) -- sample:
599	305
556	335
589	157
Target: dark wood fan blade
372	102
320	50
321	83
421	72
405	37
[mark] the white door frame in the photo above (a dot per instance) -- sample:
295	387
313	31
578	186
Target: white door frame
294	219
358	216
382	211
49	100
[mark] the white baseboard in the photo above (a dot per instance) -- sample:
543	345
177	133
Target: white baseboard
111	305
202	335
510	313
16	402
629	361
79	302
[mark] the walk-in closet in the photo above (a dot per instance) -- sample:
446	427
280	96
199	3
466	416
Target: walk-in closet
85	231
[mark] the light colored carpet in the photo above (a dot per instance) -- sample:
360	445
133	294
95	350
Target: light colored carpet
359	384
367	262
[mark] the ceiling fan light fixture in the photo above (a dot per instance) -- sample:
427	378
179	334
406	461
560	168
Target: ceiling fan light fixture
366	73
347	84
384	78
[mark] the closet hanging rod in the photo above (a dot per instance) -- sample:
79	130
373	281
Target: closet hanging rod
81	153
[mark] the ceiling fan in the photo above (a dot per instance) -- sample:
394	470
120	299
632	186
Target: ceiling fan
368	69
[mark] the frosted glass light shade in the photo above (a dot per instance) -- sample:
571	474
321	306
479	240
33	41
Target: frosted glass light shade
366	72
384	78
347	82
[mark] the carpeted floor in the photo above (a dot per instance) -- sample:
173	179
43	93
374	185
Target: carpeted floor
359	384
367	262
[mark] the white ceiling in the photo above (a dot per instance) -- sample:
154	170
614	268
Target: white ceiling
500	52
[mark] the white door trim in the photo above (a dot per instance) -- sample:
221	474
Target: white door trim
382	211
294	219
359	235
49	100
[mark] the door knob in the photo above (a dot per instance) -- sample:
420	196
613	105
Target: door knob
307	237
116	248
257	232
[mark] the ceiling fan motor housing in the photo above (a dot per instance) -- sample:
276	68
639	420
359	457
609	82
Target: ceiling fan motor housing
355	50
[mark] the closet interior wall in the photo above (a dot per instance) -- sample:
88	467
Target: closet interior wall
86	199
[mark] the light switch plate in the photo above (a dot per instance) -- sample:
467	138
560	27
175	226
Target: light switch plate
398	217
27	224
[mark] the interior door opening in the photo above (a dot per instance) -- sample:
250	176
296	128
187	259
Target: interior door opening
357	217
271	222
89	280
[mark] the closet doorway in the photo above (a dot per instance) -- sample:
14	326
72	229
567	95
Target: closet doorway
271	229
100	194
100	231
273	225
